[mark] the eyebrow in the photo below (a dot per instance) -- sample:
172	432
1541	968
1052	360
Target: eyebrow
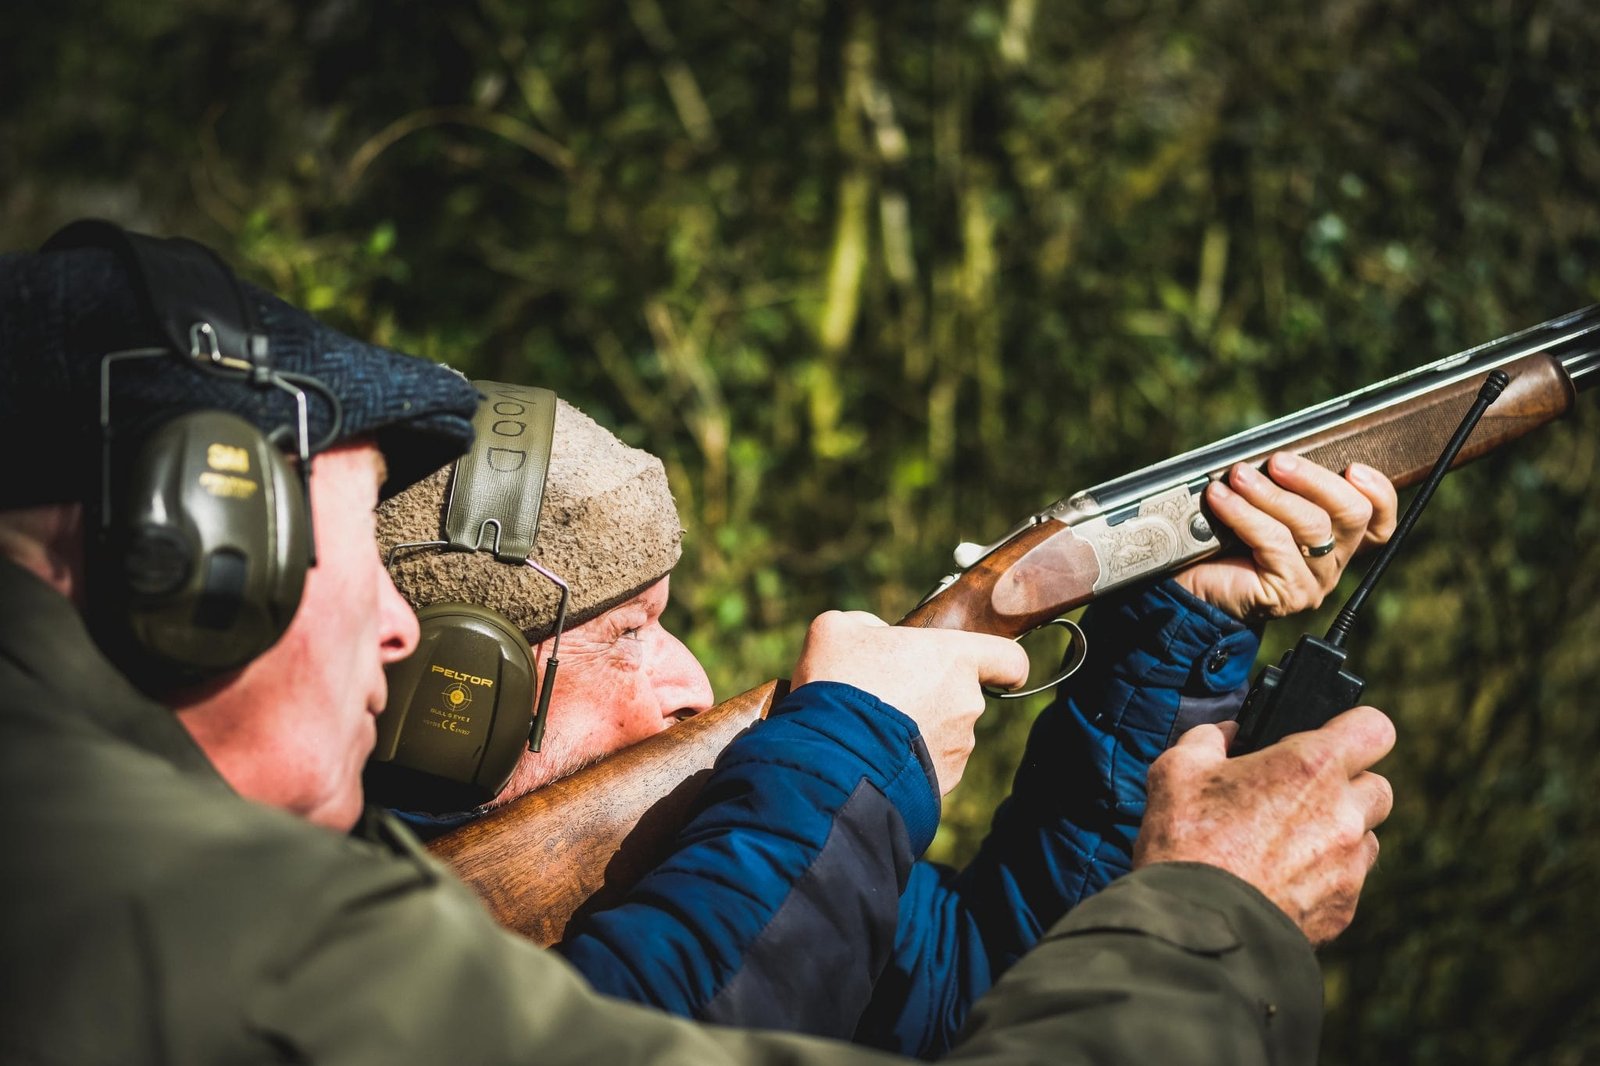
629	615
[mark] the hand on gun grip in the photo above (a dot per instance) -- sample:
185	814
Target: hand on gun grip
1301	523
933	676
1295	819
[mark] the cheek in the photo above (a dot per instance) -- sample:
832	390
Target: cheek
349	605
610	706
632	713
330	670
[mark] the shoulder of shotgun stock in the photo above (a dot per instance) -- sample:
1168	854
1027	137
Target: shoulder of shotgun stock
539	859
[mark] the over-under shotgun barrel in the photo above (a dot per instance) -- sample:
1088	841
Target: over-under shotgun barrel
577	844
1152	521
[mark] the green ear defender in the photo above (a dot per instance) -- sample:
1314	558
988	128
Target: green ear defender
210	533
462	708
205	536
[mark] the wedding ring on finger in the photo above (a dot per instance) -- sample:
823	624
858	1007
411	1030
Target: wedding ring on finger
1317	551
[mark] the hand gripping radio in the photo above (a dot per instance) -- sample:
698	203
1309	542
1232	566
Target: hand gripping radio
1310	684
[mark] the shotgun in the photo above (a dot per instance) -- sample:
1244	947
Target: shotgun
577	844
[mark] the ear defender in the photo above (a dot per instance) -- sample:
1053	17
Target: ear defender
205	537
209	536
459	712
462	707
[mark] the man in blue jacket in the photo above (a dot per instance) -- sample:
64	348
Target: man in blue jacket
779	907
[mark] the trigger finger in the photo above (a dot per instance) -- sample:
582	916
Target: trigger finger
1001	663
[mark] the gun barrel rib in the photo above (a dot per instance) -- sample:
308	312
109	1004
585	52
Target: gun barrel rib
1573	339
1583	366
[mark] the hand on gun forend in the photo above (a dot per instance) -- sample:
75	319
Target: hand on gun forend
1296	505
933	676
1295	819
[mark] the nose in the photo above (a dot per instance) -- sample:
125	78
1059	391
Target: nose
398	631
680	682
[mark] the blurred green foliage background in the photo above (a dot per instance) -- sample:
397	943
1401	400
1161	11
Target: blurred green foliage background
878	277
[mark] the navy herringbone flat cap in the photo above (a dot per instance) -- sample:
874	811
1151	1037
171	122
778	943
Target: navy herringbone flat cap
62	311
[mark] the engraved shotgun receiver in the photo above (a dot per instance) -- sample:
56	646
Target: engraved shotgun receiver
1150	522
577	843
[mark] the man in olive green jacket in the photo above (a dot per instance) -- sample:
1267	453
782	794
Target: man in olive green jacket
173	888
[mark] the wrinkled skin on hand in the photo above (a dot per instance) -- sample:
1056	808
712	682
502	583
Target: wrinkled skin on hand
933	676
1295	503
1295	819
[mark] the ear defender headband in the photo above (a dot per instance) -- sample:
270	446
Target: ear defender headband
206	538
461	708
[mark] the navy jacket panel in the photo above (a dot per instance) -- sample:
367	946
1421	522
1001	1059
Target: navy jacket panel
807	832
1167	662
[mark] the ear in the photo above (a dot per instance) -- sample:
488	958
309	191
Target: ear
47	541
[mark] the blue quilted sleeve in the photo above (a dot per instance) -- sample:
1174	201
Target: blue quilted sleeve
1159	661
778	906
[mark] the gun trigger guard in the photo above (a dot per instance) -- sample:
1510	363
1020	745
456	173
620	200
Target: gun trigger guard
1077	649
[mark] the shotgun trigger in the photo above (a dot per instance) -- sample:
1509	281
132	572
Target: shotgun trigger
1077	649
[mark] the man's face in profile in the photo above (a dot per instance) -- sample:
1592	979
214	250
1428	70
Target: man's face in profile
623	677
294	728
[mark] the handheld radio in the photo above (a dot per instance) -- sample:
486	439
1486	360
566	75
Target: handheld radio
1310	684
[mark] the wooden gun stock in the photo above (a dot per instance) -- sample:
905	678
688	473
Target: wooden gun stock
577	844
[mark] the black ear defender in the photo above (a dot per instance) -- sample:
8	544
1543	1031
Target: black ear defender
462	708
205	537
